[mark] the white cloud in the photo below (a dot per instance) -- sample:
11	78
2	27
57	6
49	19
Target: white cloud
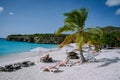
11	13
112	2
117	12
1	9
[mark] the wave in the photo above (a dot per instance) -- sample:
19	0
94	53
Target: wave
41	49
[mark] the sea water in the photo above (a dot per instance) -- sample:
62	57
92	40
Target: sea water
14	47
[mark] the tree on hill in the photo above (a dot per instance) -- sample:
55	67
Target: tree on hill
75	22
112	34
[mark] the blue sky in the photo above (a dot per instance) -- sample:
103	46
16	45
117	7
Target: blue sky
46	16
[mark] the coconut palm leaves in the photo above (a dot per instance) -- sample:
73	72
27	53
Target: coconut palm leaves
77	18
75	21
67	40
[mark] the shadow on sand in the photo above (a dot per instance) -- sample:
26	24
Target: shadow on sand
118	52
108	61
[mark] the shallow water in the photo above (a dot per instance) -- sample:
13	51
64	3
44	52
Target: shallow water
13	47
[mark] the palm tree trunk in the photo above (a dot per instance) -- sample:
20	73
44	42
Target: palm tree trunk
82	57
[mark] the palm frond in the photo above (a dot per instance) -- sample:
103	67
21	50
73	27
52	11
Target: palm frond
65	28
94	31
67	40
83	16
93	42
77	17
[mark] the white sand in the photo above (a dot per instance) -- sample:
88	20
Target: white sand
108	67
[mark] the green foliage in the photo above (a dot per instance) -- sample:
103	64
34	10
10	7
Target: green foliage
110	36
75	21
38	38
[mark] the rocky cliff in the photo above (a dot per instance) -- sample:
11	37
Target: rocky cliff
38	38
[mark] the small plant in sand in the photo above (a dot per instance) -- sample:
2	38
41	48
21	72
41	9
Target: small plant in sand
75	22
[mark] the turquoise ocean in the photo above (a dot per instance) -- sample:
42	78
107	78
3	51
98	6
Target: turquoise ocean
13	47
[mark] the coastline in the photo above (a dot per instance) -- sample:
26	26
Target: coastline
16	47
107	69
13	58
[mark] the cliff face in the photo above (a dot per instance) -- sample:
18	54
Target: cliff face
38	38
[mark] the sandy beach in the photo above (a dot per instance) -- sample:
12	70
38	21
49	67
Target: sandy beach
59	39
106	67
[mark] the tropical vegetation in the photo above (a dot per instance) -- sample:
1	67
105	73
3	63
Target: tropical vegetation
111	37
75	22
38	38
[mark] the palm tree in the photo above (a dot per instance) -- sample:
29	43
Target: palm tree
75	22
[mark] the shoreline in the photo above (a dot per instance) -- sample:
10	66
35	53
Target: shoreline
106	69
36	53
24	55
10	47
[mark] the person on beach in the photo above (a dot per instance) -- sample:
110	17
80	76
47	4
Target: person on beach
46	58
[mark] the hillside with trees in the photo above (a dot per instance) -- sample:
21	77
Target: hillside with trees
111	37
38	38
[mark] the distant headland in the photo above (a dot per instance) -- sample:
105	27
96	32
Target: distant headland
111	35
37	38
